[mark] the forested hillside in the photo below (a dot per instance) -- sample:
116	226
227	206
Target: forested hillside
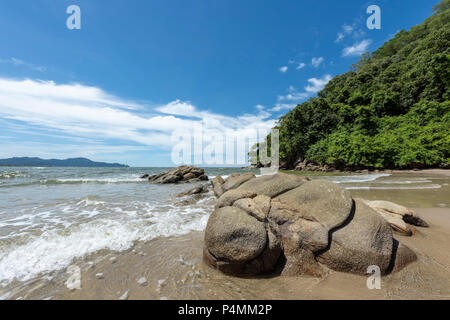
391	110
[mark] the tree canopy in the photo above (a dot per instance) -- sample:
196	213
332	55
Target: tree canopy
391	110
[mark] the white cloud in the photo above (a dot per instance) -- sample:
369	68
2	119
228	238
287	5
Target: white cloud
89	112
282	107
299	65
358	33
18	62
283	69
347	29
178	108
293	95
317	84
357	49
317	61
340	37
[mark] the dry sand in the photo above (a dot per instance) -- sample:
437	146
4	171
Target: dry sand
172	268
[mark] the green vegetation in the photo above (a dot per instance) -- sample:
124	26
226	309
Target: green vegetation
392	110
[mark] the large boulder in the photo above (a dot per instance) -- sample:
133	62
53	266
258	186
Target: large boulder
403	256
237	243
233	235
229	197
234	181
217	183
301	239
249	206
364	241
323	201
262	202
310	224
179	175
273	185
305	216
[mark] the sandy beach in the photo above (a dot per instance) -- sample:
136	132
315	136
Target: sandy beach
172	268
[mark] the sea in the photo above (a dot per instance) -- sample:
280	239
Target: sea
51	216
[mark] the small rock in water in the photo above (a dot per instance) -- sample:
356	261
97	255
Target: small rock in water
48	298
142	281
124	296
163	298
99	276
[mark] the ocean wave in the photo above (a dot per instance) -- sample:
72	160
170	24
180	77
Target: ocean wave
72	181
404	181
13	174
91	180
358	178
432	186
90	225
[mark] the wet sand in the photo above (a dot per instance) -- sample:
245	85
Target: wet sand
173	269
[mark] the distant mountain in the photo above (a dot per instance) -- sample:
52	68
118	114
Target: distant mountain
38	162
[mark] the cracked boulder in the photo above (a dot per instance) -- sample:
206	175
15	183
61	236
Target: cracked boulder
234	240
297	226
273	185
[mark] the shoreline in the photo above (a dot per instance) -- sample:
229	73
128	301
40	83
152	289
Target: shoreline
435	171
172	268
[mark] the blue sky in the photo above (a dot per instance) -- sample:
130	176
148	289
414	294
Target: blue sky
138	70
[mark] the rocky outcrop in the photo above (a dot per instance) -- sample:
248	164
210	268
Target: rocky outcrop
299	227
217	186
181	174
399	217
193	191
308	165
